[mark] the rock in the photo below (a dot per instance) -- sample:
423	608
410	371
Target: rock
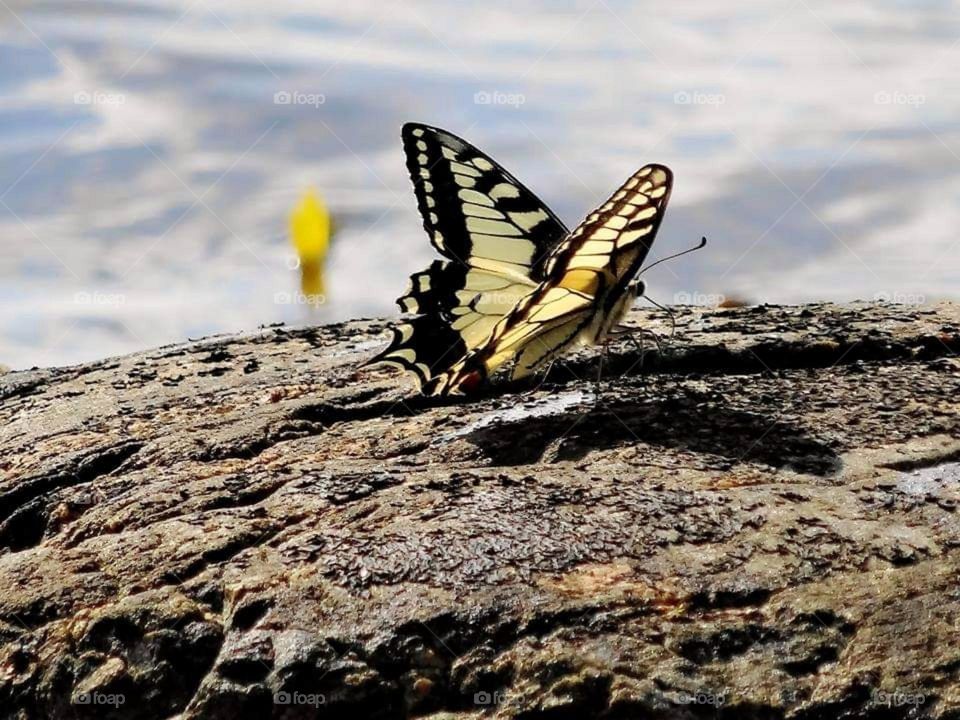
758	522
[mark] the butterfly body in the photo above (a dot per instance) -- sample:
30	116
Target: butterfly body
516	285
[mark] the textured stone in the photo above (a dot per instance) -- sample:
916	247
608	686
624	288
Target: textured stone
760	521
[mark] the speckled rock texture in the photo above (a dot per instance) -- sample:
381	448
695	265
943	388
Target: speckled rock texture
758	521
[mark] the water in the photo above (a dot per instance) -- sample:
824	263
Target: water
146	171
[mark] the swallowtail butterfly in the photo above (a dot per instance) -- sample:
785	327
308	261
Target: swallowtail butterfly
514	283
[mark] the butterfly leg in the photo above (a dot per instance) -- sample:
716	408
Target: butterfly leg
597	384
630	333
641	353
641	350
670	313
543	379
656	339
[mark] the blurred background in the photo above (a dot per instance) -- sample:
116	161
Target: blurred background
151	152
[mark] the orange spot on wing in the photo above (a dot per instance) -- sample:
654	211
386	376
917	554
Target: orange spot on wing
470	382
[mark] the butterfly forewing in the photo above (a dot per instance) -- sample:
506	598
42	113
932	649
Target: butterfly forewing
475	212
615	238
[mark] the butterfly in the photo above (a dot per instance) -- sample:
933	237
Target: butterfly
515	284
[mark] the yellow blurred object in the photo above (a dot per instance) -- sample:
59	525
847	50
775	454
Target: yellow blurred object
310	231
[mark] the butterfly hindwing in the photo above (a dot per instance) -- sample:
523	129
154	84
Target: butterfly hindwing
420	344
496	237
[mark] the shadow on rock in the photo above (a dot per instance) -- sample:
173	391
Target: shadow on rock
687	422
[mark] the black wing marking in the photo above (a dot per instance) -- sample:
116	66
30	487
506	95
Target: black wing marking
588	275
474	211
496	235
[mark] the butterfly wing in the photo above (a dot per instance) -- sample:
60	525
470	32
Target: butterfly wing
496	237
586	289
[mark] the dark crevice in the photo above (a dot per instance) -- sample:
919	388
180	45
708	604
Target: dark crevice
236	494
35	380
245	497
726	643
251	447
923	462
330	413
729	599
777	355
20	387
811	664
225	552
249	612
23	509
217	355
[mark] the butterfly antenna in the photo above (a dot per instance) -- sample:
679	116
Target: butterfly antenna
699	246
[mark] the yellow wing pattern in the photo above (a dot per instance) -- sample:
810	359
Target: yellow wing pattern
586	290
495	237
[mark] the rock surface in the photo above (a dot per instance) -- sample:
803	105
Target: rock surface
759	522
